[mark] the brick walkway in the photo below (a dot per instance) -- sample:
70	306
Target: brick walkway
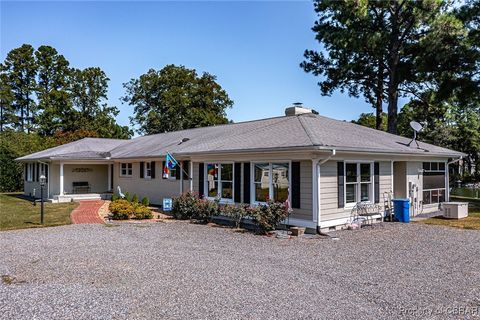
87	212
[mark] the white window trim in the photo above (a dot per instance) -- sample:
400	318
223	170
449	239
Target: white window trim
205	181
270	183
30	171
145	170
436	189
126	175
372	183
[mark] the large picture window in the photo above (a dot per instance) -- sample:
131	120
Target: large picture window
219	180
358	182
125	169
271	181
433	182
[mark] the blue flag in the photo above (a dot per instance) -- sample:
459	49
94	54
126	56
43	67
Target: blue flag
171	162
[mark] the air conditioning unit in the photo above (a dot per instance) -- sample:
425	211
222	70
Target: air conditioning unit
455	210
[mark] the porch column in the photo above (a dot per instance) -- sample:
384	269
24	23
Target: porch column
191	176
109	169
180	164
61	178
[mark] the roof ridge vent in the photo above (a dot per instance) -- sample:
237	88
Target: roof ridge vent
297	109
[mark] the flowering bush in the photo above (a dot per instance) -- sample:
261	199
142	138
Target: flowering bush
123	210
142	212
268	216
236	213
185	206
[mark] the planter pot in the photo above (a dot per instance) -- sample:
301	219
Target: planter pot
297	231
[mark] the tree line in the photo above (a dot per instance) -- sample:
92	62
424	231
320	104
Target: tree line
41	93
426	51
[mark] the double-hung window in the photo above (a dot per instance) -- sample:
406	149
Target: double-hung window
271	181
358	182
148	170
433	182
30	171
219	180
126	169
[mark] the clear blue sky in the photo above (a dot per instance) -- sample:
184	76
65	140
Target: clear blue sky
254	48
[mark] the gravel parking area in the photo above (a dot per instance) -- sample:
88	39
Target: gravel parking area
178	270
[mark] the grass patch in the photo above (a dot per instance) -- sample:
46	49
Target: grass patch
472	222
6	279
19	213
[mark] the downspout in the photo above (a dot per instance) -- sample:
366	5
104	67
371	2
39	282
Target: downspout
447	176
318	204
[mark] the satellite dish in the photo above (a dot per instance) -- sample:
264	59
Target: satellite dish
416	126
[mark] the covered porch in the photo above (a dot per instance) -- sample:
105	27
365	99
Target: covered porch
85	180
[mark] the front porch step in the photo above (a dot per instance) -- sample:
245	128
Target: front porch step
80	197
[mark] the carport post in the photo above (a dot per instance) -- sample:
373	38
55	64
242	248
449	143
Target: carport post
61	178
181	176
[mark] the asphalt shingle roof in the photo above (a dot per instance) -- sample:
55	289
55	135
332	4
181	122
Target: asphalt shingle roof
285	132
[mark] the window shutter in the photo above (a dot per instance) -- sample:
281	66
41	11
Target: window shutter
186	170
111	171
295	196
177	171
341	184
152	169
237	182
163	168
376	186
142	168
200	178
46	173
246	182
37	176
26	170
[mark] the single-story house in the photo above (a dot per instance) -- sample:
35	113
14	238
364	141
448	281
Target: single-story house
321	165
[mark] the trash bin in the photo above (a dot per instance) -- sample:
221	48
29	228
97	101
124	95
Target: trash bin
401	208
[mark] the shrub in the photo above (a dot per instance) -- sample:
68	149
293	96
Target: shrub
186	206
145	201
236	213
142	212
268	216
134	199
206	210
128	197
121	209
115	197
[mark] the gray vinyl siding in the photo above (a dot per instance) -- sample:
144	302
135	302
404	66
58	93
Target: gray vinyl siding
155	189
305	211
329	190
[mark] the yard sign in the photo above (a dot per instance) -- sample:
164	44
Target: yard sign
167	204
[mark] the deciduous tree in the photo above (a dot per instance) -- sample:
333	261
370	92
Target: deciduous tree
176	98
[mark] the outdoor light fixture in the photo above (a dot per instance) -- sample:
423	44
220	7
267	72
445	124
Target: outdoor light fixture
43	182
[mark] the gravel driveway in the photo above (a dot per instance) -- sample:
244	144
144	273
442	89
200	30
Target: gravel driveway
182	271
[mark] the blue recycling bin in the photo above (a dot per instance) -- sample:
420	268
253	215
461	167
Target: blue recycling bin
401	208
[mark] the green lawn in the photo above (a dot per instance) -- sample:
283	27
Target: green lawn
18	213
471	222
